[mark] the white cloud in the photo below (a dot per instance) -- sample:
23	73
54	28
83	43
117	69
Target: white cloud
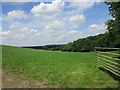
15	14
0	28
4	34
95	29
52	0
49	23
1	19
76	21
50	35
15	25
48	10
30	36
20	1
55	26
0	35
28	30
80	6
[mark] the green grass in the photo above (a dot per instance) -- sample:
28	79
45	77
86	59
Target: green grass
64	69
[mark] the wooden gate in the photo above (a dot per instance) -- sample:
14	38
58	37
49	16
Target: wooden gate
109	59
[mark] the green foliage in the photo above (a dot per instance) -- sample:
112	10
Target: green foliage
68	47
114	24
63	69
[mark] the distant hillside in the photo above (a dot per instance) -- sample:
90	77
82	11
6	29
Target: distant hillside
80	45
47	47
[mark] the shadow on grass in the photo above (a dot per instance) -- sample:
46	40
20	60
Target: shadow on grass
110	73
113	76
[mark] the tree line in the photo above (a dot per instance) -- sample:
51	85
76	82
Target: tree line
111	38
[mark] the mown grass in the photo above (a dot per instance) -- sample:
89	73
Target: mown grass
64	69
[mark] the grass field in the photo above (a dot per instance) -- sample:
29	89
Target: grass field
63	69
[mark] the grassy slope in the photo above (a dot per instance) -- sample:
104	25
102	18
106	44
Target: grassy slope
65	69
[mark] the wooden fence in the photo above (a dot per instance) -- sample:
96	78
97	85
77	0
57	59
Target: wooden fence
109	59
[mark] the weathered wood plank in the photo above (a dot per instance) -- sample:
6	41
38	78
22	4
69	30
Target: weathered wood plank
109	57
109	53
109	64
107	48
111	68
108	60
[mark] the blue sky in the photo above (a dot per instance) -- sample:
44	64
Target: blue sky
56	22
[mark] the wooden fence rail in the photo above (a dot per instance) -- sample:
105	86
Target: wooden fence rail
109	59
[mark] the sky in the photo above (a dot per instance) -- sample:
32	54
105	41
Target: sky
46	23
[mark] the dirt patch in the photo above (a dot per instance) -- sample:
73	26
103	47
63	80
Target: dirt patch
96	80
10	80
